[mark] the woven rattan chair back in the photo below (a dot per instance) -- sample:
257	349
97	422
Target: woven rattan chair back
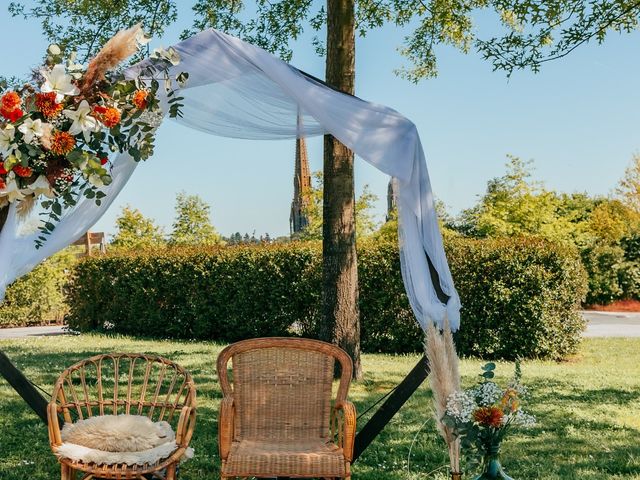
283	387
124	383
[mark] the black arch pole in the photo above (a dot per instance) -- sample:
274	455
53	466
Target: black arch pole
403	391
25	389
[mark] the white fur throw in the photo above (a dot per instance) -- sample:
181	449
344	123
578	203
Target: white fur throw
111	439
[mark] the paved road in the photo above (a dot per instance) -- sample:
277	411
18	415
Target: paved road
31	332
601	324
612	324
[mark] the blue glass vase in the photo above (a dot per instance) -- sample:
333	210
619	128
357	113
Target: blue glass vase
491	467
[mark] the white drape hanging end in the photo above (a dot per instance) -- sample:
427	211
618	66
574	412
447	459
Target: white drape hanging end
452	313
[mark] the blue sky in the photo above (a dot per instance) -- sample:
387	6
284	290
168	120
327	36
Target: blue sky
578	119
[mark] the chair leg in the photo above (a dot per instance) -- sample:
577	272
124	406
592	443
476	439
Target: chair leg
65	473
171	472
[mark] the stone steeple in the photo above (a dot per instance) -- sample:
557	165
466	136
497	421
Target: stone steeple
392	198
298	219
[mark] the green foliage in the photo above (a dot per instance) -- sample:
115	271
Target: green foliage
519	295
535	31
84	26
542	31
134	230
224	294
192	225
365	220
515	205
39	296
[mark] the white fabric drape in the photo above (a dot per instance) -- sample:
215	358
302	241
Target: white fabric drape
238	90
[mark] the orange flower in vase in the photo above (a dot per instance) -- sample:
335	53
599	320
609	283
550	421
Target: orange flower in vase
489	416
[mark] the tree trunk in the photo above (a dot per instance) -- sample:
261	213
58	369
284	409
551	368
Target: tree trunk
341	314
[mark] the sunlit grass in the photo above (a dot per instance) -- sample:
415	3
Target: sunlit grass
588	410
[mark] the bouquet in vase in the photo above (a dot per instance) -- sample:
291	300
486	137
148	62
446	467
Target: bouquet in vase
482	416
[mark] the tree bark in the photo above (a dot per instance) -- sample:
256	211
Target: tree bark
341	313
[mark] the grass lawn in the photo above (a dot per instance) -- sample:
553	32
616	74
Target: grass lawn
588	411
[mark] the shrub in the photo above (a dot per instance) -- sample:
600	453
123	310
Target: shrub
39	296
520	295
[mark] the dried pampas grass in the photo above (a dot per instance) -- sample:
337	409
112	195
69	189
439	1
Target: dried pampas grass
25	207
444	378
123	44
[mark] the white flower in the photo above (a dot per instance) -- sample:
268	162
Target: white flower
487	393
171	55
45	138
58	81
522	419
7	146
95	180
41	187
82	121
11	191
460	405
33	129
141	36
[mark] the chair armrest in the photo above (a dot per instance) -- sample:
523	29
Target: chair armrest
226	420
186	425
53	423
343	427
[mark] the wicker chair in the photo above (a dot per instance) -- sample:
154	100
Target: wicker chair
277	419
124	383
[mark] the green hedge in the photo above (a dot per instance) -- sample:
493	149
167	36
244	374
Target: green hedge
39	297
520	296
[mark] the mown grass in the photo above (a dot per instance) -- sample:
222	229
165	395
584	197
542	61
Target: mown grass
588	410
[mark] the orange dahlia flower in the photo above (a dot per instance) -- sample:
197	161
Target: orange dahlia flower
109	116
489	416
10	100
140	99
62	143
46	103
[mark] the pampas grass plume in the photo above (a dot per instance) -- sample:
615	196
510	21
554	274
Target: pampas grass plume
444	378
121	46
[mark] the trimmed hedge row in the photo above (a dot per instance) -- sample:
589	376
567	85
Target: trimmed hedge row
38	297
520	296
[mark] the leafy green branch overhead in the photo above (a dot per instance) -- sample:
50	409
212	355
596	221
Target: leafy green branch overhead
530	32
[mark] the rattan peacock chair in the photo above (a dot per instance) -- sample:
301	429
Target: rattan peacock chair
277	420
131	384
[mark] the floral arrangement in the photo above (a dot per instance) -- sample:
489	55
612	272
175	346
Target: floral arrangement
58	131
481	416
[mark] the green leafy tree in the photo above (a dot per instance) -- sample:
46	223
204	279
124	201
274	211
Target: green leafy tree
192	225
134	230
514	204
366	223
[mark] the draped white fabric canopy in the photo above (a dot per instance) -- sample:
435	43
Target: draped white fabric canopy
238	90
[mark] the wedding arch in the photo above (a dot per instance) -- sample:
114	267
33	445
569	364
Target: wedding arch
238	90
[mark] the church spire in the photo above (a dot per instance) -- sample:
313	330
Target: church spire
298	218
